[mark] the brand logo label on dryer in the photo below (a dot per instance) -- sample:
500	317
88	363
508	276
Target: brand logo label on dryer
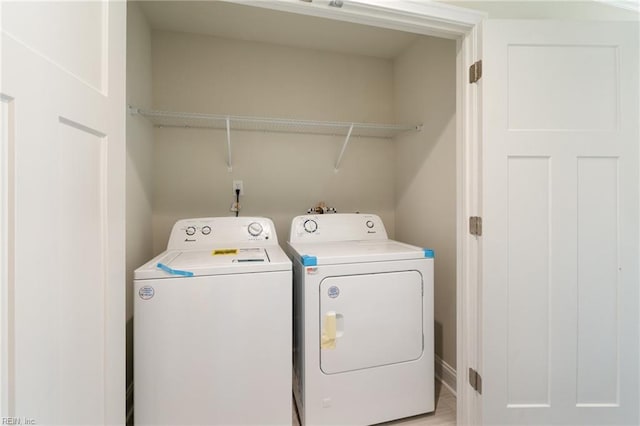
146	292
312	271
333	292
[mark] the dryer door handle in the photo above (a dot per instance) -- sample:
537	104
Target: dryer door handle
339	325
332	328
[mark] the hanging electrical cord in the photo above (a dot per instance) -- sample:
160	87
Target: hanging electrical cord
237	201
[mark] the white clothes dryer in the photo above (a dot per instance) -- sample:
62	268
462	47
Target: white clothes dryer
363	322
212	327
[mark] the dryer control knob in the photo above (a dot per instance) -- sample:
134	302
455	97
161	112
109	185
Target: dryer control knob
369	224
310	225
206	230
255	229
191	230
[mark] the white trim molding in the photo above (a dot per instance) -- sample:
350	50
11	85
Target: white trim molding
446	374
420	17
7	243
633	5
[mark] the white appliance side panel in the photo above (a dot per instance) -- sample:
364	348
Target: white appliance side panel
370	320
213	350
299	313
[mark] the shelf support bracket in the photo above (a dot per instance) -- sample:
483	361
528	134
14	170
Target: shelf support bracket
132	110
344	148
229	167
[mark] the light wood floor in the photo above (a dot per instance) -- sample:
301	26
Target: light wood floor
444	415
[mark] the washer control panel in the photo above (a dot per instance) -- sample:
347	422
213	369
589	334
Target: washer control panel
337	227
222	232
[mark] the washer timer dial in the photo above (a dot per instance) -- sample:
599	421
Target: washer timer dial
255	229
369	224
310	225
190	230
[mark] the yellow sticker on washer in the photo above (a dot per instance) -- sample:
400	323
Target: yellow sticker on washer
218	252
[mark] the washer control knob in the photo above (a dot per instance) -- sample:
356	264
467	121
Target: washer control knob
191	230
369	224
206	230
255	229
310	225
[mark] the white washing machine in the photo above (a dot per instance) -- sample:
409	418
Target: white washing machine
213	327
363	322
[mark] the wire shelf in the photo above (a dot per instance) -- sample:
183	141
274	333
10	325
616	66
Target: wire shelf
231	123
279	125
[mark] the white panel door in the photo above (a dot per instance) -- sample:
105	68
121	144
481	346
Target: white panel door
62	94
560	237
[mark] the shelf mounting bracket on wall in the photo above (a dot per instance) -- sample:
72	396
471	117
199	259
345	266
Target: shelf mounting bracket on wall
344	148
229	166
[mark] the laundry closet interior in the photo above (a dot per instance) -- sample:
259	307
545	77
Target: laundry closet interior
297	73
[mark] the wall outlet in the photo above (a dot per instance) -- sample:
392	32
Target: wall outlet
237	184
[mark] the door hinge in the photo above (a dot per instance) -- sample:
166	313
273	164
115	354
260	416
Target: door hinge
475	380
475	72
475	226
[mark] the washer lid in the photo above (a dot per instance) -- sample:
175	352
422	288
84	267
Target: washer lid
187	263
311	254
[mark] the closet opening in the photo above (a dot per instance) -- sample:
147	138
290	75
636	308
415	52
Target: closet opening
302	109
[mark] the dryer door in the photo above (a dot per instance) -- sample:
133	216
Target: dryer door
370	320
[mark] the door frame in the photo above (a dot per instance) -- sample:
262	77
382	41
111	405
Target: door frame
464	26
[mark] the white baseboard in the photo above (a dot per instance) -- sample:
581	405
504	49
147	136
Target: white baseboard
446	374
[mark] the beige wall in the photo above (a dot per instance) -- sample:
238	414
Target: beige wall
283	174
425	190
139	171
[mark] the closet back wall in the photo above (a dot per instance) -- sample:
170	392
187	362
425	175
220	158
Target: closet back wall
283	174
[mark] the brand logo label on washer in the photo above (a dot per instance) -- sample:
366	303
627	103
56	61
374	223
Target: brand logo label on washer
146	292
333	292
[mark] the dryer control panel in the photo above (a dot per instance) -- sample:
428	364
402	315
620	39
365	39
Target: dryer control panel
210	232
337	227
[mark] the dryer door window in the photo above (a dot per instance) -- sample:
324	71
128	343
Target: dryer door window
370	320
